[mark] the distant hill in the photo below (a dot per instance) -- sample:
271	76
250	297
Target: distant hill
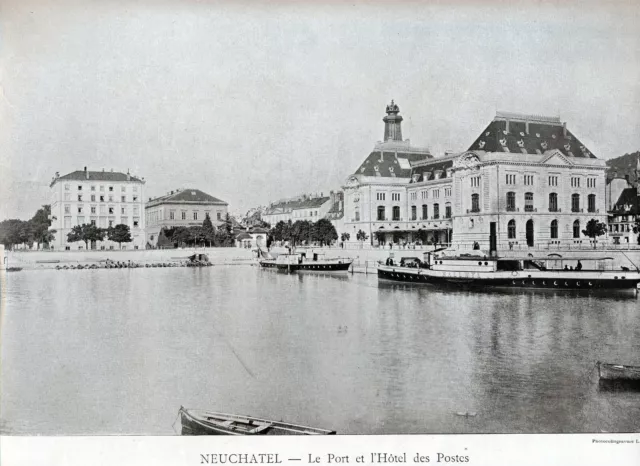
623	165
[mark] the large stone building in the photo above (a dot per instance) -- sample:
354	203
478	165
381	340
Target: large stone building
104	198
526	182
182	208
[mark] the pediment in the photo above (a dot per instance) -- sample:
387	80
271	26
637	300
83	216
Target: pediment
555	157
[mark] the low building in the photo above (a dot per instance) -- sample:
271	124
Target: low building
252	238
306	207
182	208
624	211
336	212
103	198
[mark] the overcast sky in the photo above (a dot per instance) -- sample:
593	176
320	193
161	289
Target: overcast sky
253	102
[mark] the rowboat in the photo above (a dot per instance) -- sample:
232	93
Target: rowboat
618	372
197	422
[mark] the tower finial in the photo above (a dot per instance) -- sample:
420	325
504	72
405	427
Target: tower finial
392	123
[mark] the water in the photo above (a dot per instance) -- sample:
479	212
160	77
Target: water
118	352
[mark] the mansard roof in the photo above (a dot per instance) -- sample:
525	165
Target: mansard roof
110	176
390	163
529	134
628	203
430	167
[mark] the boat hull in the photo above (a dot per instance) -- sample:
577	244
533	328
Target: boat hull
618	372
523	279
328	266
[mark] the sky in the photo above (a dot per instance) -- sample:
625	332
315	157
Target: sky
255	101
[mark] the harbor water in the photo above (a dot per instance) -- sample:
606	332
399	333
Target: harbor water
118	351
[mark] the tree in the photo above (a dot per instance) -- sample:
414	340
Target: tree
361	236
422	235
636	227
180	236
300	231
39	224
345	237
208	231
119	234
324	232
197	235
14	231
281	231
379	236
593	229
86	232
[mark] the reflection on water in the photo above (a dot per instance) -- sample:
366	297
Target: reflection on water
118	351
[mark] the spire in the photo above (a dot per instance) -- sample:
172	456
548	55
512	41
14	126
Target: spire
392	123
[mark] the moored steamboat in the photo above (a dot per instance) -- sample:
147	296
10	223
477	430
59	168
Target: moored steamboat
550	272
294	262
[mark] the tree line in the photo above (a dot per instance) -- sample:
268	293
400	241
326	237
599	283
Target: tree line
204	235
27	232
321	232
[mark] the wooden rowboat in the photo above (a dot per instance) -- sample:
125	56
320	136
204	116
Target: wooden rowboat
197	422
618	372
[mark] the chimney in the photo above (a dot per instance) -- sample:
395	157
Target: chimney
507	126
57	174
128	175
564	130
86	173
171	192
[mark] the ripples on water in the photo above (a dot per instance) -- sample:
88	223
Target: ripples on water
118	351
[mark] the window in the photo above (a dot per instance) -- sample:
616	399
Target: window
110	188
425	194
123	210
219	215
123	198
576	229
103	210
554	229
528	202
511	178
553	180
136	222
447	192
80	209
425	212
79	197
102	188
511	201
135	198
110	210
528	180
553	202
475	181
575	182
414	195
123	189
101	198
511	229
575	203
395	196
195	215
110	223
475	203
414	212
436	211
67	209
67	187
380	196
172	215
79	187
93	221
93	209
380	212
436	193
110	198
591	200
93	188
447	211
184	215
396	213
357	215
93	198
591	182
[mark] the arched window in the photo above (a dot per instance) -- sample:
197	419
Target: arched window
528	202
553	202
554	229
475	203
576	229
381	213
575	203
436	211
592	202
396	212
511	229
511	201
425	212
447	210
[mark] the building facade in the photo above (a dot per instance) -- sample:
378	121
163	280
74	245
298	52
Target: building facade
103	198
526	182
624	209
182	208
